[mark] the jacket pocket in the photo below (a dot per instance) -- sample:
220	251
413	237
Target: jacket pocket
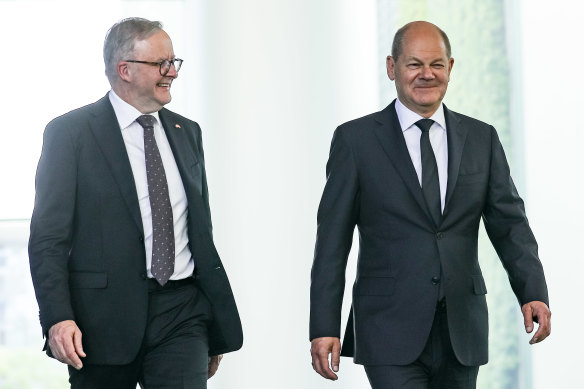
87	280
374	286
479	285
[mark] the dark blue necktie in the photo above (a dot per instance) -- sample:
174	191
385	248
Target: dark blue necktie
162	265
430	180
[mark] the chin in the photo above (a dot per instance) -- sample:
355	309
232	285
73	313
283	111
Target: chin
428	102
164	101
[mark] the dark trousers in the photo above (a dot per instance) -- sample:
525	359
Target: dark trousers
174	352
436	368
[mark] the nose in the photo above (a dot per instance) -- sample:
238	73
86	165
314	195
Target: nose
427	73
172	73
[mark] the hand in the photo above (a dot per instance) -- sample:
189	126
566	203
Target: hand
540	313
213	365
320	350
65	343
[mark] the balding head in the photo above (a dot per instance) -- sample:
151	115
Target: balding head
419	26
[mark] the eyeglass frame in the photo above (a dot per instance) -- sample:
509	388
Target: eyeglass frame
171	62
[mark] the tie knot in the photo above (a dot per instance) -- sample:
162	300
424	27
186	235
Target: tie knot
424	124
146	121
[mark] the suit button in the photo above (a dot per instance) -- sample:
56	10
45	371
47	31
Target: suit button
435	280
439	235
141	238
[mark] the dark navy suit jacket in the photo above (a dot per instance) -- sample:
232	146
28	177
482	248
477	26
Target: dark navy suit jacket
372	184
86	245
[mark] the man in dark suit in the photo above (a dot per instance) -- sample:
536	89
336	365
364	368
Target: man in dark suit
129	284
416	179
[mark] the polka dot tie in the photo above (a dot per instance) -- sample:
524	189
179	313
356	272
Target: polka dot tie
162	265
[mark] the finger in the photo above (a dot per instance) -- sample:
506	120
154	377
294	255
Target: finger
326	371
213	366
64	350
320	350
544	330
61	342
527	318
212	370
60	348
315	362
336	357
71	357
57	350
78	344
320	365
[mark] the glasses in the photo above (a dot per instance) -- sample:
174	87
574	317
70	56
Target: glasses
164	65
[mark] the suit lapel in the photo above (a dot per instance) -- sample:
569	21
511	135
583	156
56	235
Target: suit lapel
391	137
108	135
183	149
456	135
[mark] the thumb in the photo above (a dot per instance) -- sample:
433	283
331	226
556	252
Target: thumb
336	356
527	318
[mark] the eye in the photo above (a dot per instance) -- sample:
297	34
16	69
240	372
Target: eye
413	65
437	65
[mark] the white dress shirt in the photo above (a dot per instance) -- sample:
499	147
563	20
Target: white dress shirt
412	133
133	135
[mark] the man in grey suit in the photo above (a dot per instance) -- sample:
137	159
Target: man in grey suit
416	179
129	284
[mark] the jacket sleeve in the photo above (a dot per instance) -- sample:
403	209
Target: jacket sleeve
337	217
508	229
52	225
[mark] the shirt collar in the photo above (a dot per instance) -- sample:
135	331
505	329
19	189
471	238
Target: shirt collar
408	118
126	113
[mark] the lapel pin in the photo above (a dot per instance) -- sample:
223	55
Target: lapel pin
177	126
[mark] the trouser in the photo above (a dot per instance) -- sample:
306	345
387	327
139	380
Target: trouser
174	352
436	368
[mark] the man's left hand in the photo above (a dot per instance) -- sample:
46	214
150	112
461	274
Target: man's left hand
537	311
213	365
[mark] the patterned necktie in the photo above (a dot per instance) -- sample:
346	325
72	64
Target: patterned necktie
162	265
430	181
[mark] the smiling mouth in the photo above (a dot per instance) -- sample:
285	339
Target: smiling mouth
164	84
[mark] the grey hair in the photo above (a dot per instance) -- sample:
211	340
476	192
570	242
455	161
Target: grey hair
398	40
120	39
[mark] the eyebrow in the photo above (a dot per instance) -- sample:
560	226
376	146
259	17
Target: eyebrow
163	58
416	59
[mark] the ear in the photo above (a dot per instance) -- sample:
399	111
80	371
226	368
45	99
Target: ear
450	65
390	65
124	71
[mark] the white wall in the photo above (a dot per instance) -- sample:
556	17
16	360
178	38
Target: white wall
269	81
278	78
554	135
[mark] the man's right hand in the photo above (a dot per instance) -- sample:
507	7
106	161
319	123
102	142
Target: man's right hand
320	350
65	343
